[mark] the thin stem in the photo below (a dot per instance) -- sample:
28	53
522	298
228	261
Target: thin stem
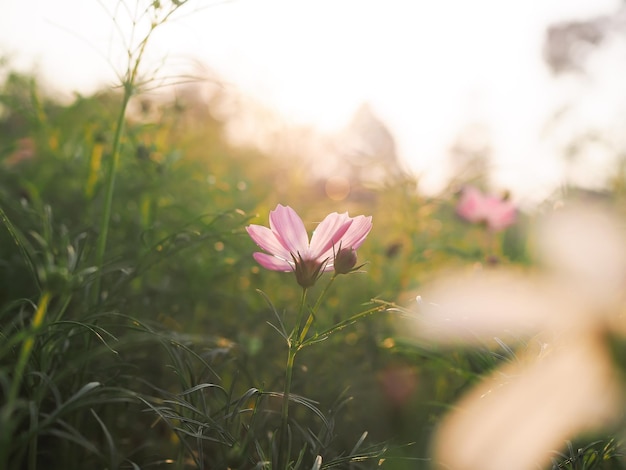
6	412
298	327
283	457
27	347
129	89
323	294
313	311
294	345
341	325
129	83
110	186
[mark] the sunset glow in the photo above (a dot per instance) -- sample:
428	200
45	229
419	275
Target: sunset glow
428	71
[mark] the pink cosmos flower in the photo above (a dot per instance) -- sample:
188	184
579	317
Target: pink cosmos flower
288	248
568	324
476	207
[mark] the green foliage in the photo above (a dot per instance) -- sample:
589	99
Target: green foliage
176	365
597	455
179	314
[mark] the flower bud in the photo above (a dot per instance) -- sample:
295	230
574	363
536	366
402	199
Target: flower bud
345	260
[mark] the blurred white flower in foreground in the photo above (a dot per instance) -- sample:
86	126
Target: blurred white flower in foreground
565	382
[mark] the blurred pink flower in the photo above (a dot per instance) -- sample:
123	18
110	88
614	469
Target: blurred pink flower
287	243
495	212
25	151
563	380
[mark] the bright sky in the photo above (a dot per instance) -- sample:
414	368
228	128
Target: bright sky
426	68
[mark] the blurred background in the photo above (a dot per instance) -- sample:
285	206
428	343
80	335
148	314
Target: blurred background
383	108
532	88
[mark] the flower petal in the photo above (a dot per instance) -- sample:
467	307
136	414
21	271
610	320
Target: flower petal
267	240
272	262
328	233
476	307
289	229
499	213
584	245
475	207
471	206
520	414
356	233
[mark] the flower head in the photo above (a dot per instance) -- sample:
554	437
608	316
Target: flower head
572	310
288	248
495	212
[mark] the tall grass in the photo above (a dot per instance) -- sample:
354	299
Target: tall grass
136	330
155	15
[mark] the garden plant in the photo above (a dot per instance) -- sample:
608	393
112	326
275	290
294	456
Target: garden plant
150	319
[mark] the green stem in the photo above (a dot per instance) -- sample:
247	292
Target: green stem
313	311
109	189
7	411
27	347
294	345
129	89
283	457
341	325
298	329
